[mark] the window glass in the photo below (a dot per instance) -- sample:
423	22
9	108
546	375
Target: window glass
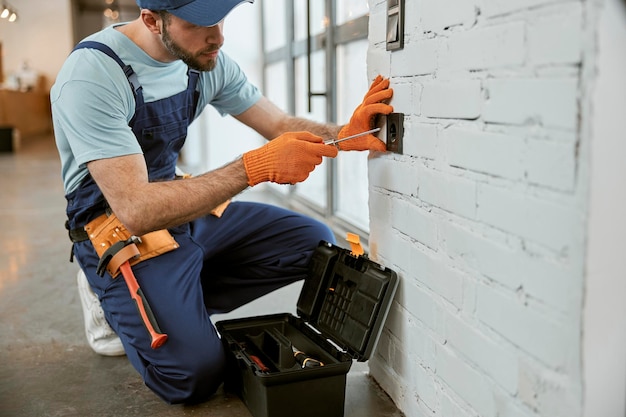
275	35
314	189
318	84
351	182
351	9
275	85
319	20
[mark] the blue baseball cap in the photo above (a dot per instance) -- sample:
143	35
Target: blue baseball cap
198	12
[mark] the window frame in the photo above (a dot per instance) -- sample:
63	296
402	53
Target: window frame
334	36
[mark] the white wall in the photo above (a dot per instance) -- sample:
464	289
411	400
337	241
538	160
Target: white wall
42	36
485	216
604	345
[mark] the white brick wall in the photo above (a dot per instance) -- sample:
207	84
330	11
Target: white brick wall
452	99
547	102
484	216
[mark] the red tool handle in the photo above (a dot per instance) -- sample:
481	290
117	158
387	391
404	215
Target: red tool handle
158	338
260	363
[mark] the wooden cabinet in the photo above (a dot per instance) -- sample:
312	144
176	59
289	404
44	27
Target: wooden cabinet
28	112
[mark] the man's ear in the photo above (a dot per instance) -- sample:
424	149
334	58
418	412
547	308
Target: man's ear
152	21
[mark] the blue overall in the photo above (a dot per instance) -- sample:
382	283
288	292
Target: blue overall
221	264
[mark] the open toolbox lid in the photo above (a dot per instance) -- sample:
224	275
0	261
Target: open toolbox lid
346	297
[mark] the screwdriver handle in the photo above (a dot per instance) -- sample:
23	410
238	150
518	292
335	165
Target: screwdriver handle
305	360
260	364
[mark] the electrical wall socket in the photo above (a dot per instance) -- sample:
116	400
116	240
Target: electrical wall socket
395	24
392	127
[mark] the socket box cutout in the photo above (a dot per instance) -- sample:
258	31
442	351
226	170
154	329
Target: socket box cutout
395	132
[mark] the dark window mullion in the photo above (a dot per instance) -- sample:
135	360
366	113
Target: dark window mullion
289	56
331	100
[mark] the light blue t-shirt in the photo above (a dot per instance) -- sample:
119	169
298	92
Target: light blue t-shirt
92	102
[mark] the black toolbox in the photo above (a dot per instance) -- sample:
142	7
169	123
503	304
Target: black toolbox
342	308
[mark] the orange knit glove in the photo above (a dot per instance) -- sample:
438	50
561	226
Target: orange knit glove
363	118
288	159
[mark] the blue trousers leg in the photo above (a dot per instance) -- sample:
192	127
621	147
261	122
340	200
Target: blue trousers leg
221	264
255	250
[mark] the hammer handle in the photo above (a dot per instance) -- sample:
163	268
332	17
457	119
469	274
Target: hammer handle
147	316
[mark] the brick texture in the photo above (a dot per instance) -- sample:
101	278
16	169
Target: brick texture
483	216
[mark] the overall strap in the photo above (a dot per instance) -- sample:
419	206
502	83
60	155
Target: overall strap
192	86
128	70
193	77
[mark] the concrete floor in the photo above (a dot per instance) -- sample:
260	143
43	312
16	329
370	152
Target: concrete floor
46	367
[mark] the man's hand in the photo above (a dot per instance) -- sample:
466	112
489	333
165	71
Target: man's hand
363	118
288	159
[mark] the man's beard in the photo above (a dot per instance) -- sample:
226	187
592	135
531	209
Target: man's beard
186	56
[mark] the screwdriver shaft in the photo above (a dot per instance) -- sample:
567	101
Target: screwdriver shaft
334	141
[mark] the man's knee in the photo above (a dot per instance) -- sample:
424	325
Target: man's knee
189	379
323	232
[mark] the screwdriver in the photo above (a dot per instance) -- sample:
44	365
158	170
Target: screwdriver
254	358
262	367
358	135
305	360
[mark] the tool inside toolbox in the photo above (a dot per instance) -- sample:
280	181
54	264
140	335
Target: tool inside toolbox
278	347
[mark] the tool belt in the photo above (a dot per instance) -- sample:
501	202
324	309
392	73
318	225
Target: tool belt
115	245
111	240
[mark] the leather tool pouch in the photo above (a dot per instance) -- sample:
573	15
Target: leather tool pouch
104	231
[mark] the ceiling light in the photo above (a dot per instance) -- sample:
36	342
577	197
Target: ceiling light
8	12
